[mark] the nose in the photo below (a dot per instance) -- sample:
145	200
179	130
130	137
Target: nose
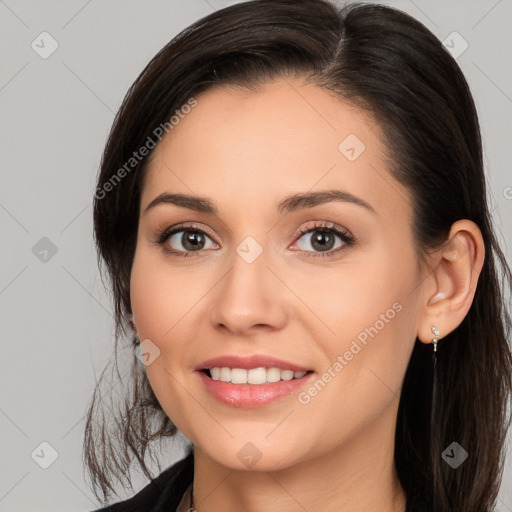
249	299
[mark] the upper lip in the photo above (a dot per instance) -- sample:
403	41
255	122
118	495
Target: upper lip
248	362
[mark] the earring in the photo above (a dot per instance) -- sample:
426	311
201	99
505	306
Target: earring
436	339
433	407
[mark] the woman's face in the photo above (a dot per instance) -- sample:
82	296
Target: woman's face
252	285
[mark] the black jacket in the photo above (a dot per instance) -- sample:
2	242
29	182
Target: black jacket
163	493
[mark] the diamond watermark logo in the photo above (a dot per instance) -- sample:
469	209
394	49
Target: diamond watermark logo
147	352
455	44
249	249
44	250
44	455
454	455
351	147
44	45
249	454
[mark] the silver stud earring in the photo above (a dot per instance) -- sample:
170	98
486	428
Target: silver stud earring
436	339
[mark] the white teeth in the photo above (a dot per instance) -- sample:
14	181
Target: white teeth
254	375
273	375
287	375
238	376
225	375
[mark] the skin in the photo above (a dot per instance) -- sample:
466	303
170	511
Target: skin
246	151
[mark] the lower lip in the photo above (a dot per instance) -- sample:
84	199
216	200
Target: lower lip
252	395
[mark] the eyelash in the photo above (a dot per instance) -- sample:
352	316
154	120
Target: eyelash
327	227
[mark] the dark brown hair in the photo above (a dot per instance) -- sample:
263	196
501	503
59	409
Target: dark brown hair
387	63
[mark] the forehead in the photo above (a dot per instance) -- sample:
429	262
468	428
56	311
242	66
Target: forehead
249	147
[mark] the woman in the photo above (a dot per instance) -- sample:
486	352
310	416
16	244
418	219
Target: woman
292	212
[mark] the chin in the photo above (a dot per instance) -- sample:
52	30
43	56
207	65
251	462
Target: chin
251	456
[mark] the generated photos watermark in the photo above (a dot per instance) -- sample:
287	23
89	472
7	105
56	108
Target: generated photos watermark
143	151
343	360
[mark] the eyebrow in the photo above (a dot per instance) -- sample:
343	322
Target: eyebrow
288	204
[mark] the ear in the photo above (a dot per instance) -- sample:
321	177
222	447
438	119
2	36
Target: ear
448	290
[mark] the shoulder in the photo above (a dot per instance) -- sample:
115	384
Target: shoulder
163	493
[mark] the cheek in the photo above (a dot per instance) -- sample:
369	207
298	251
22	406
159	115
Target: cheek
145	305
371	314
160	294
165	302
363	377
158	305
345	302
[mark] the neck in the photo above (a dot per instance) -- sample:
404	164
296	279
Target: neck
358	475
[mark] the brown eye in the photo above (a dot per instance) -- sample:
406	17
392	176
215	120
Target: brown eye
325	240
322	240
192	240
184	240
188	240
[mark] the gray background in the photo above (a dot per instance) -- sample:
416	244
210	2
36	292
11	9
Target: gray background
55	113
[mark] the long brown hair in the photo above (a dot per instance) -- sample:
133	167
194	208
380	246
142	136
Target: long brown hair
384	61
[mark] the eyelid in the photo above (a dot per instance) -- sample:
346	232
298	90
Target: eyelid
183	226
346	237
326	225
